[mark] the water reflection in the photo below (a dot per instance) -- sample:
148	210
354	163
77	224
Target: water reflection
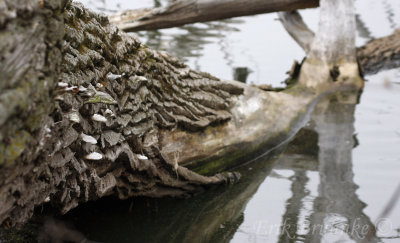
337	209
362	28
189	41
337	212
212	216
294	205
390	14
216	214
157	3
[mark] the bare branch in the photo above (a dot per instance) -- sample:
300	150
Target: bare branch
297	29
192	11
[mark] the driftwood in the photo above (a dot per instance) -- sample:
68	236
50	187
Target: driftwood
190	11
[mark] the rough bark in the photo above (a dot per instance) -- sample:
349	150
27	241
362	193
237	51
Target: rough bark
88	111
382	53
184	12
30	47
73	85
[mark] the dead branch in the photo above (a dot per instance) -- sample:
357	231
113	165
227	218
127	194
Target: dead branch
192	11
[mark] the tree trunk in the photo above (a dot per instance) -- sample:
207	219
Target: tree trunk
88	111
191	11
332	56
331	52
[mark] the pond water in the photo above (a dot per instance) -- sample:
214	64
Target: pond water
331	183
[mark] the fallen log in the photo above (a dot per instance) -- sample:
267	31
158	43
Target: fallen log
87	111
191	11
381	53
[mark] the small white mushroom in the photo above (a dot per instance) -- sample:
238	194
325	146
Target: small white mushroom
109	112
112	76
99	118
99	85
47	199
142	157
141	78
62	84
74	117
71	88
88	139
94	156
82	89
